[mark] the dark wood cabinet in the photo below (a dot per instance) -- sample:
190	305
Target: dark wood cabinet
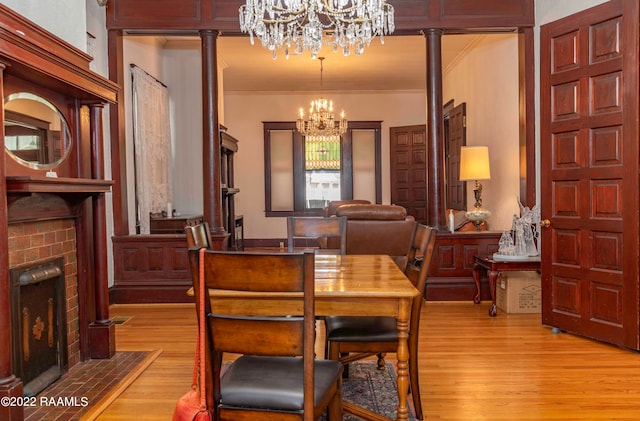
450	276
173	225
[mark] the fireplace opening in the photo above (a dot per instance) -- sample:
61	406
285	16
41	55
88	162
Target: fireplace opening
38	323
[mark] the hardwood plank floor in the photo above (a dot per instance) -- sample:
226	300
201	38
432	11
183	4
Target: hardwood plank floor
472	367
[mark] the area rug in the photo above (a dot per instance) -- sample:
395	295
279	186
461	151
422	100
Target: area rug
373	389
89	387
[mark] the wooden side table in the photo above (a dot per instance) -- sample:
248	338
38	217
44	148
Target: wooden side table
494	268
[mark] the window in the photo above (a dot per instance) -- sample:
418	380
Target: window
301	177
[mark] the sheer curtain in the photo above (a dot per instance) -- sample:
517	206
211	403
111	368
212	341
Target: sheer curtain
152	144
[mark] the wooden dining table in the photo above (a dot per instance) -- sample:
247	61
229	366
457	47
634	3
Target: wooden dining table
350	285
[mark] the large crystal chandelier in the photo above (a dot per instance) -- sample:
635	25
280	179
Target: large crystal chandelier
321	123
302	25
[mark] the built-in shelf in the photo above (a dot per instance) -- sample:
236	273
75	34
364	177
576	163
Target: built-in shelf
230	190
228	148
59	185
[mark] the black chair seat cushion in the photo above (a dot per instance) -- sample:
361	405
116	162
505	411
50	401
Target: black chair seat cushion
274	382
361	329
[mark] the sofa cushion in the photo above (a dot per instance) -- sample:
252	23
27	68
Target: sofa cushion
372	212
330	209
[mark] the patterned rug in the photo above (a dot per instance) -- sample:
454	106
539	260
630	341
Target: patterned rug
373	389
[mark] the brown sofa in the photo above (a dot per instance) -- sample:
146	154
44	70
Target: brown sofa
330	209
378	229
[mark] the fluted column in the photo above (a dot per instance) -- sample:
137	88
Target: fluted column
10	386
435	132
102	339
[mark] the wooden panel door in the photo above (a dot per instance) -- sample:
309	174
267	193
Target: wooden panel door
409	169
589	173
455	133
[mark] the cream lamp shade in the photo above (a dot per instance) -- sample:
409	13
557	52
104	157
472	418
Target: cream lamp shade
474	163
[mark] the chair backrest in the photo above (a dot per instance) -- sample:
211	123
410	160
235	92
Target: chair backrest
198	235
319	230
257	329
417	265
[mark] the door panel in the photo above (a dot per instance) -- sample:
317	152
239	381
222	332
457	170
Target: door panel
455	138
589	109
409	169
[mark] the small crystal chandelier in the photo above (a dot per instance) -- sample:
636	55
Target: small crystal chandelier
302	24
321	122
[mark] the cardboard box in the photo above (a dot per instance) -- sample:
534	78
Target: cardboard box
519	292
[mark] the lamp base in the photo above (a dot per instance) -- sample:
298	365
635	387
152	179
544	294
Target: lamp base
478	215
478	224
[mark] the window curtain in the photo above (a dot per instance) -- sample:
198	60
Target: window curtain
152	144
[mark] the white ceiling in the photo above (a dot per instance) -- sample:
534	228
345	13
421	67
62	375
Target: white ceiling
399	64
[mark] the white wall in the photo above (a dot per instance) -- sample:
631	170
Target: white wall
183	76
245	112
550	10
486	78
64	18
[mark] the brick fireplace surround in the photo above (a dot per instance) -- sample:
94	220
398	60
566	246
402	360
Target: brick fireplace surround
32	242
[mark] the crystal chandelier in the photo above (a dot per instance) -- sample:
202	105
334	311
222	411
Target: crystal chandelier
309	24
321	122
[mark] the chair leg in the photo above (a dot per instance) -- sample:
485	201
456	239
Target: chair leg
333	353
415	386
334	410
345	369
381	362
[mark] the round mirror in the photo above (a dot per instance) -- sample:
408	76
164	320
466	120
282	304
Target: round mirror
35	133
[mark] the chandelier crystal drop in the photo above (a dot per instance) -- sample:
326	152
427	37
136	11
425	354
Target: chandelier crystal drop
321	122
307	25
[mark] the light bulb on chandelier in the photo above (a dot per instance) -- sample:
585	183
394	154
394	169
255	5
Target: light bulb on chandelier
302	25
321	122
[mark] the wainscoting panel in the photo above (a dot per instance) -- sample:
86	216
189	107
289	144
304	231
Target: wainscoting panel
150	269
450	276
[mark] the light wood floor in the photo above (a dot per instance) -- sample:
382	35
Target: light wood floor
472	367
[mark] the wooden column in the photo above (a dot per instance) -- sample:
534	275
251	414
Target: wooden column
117	135
527	115
435	133
10	386
102	331
212	191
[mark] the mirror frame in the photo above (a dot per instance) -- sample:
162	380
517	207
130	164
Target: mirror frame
32	122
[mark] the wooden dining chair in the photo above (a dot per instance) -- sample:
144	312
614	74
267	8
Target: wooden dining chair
198	235
351	338
277	376
317	230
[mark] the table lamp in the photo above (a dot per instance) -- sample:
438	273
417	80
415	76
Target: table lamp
474	165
